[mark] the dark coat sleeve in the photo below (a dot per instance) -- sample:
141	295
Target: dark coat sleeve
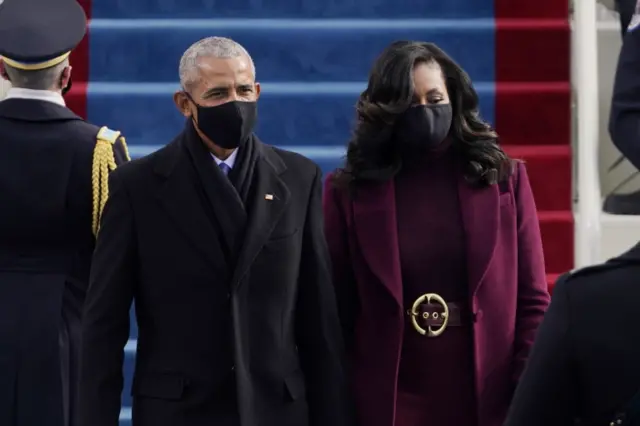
318	334
545	394
533	293
624	121
343	277
106	314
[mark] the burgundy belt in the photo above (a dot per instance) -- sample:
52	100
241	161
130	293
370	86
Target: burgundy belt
430	315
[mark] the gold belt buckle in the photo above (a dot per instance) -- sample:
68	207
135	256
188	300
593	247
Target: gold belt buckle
415	313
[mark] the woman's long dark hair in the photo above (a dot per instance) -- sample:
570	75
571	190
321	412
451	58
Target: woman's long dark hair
372	154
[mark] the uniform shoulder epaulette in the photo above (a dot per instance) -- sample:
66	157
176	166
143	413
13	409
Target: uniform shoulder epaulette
108	135
104	162
587	270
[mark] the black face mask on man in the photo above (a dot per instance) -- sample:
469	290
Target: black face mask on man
228	125
424	127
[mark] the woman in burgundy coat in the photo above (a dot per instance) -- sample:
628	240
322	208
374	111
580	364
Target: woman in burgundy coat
435	242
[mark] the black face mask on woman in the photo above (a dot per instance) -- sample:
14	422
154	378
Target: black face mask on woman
228	125
423	127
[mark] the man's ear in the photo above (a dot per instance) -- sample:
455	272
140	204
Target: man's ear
182	103
65	78
258	90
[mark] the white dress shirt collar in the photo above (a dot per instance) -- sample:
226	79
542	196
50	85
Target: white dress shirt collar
39	95
230	161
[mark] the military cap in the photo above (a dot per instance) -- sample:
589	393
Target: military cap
39	34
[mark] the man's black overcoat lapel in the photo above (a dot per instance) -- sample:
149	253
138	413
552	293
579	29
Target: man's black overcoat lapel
221	200
187	201
228	228
269	199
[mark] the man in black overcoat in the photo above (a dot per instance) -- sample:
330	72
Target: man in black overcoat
584	368
218	239
53	171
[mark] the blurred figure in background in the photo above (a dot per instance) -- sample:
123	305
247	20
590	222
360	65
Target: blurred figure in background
436	248
624	120
626	9
53	171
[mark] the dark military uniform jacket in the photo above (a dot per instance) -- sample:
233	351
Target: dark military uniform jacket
53	171
585	363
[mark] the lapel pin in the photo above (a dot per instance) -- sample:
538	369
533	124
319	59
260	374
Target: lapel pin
268	197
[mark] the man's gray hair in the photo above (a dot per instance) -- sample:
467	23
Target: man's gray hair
47	79
211	47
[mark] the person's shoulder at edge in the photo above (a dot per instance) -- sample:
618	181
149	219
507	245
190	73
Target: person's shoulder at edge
594	280
132	168
145	163
132	171
85	132
518	168
517	174
333	173
329	181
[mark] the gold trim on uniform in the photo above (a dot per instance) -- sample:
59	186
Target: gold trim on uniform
104	162
35	67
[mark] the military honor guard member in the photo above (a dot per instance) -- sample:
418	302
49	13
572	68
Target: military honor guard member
53	184
584	368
